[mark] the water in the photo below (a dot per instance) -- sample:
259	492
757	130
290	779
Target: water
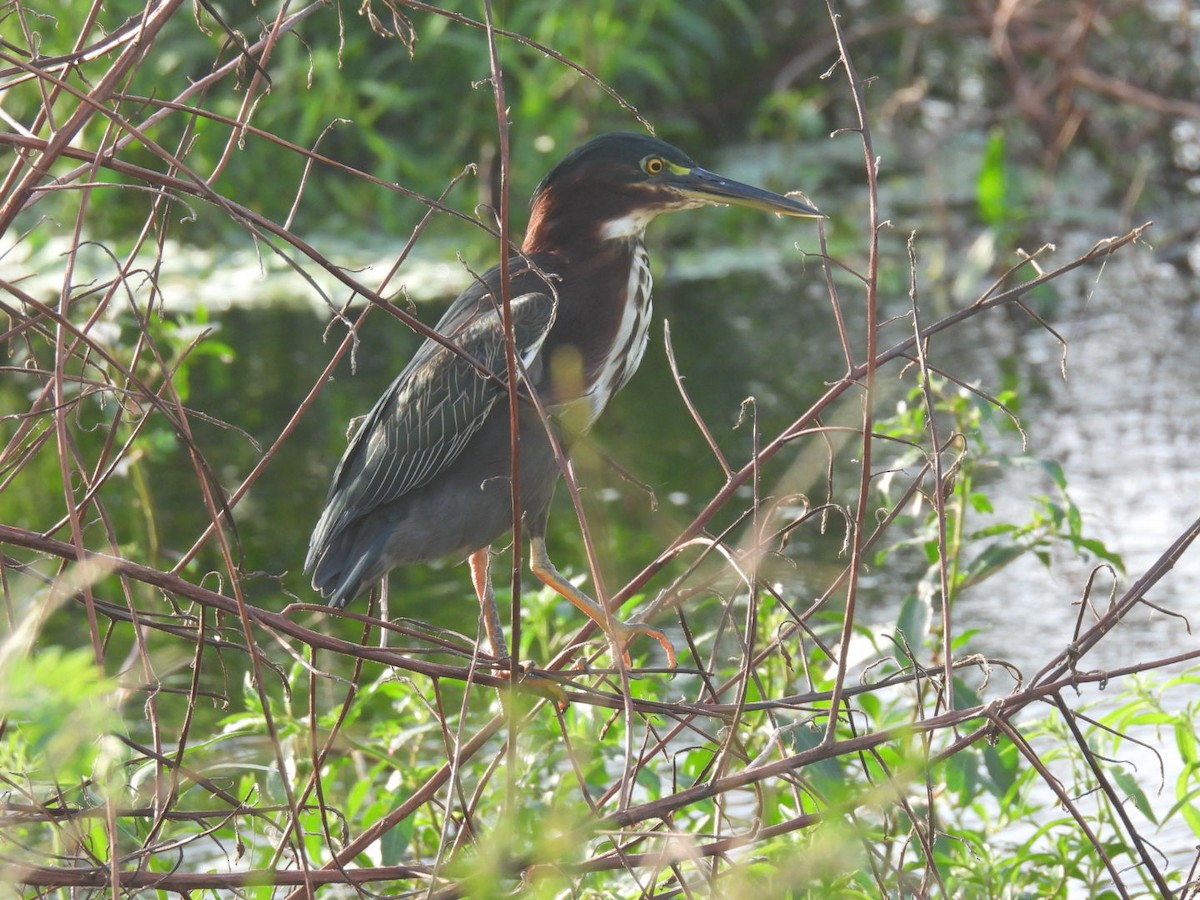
1125	424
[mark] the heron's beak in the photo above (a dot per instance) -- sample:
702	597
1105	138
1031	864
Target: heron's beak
707	187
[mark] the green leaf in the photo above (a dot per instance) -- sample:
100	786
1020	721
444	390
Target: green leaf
1055	470
395	841
981	503
962	776
1099	550
1074	519
912	624
962	640
827	775
991	188
994	558
1001	763
1133	790
1191	816
965	696
871	705
1185	740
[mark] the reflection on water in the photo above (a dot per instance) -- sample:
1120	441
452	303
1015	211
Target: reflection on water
1125	424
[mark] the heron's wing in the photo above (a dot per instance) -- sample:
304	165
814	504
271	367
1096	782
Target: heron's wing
433	408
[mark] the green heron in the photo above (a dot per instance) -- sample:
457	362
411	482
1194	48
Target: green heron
427	474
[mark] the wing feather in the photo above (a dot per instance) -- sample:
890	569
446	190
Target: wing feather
426	417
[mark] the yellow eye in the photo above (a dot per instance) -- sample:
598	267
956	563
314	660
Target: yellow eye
653	165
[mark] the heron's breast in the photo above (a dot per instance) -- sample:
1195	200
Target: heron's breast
629	340
600	332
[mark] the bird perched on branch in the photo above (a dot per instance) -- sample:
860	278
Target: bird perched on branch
428	473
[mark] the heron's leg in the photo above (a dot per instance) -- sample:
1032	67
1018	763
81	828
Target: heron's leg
618	632
481	576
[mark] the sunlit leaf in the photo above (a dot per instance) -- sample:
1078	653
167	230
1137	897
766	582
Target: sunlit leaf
1129	785
991	187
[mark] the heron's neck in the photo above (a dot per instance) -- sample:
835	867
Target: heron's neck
583	224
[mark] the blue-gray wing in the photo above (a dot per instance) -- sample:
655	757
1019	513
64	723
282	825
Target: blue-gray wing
433	408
